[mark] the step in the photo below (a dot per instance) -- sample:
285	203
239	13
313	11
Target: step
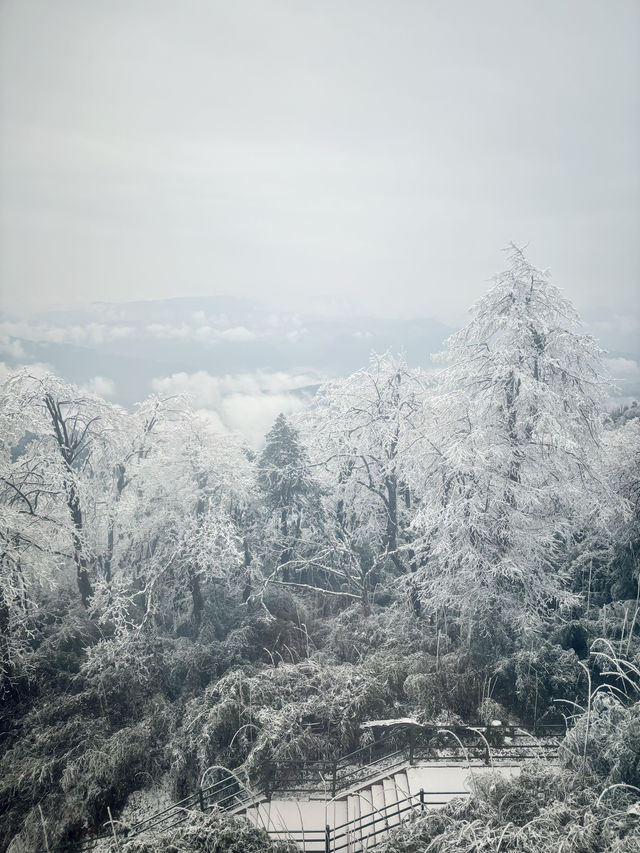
353	832
366	800
377	796
301	822
353	807
366	807
442	783
258	815
362	808
377	777
337	813
402	784
281	815
391	801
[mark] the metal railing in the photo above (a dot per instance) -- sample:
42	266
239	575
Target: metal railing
423	742
462	743
366	829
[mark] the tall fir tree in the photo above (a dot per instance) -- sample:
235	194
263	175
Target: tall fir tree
290	492
518	414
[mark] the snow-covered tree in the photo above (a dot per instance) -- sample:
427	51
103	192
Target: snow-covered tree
518	430
62	436
367	435
292	500
141	508
54	440
173	526
609	557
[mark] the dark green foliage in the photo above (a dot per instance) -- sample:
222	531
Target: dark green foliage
89	749
545	810
351	636
606	742
293	512
587	805
540	675
96	721
252	717
212	833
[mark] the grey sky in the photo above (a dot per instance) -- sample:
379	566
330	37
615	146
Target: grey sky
318	154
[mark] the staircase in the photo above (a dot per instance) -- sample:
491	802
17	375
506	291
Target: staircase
350	804
360	818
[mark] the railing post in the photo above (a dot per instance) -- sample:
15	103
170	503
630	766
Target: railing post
327	839
334	777
421	800
201	798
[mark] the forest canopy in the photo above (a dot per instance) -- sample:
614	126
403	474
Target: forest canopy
454	545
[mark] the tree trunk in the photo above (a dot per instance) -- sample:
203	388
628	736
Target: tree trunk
5	659
119	471
196	598
82	571
68	446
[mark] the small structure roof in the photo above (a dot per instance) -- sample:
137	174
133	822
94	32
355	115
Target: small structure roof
384	724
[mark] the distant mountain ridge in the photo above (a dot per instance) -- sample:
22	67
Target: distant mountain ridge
134	343
236	358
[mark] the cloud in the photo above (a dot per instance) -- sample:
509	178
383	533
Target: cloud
296	334
164	330
203	388
237	334
203	333
207	391
625	374
102	386
12	348
118	332
213	420
247	403
623	369
253	415
625	324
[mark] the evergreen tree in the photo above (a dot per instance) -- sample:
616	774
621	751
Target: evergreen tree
518	424
290	493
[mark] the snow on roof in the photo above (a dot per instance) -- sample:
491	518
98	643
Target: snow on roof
401	721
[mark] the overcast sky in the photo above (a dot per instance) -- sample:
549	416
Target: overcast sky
371	154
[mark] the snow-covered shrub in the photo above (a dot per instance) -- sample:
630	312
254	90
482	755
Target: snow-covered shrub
297	711
419	690
490	710
606	741
540	675
545	810
215	832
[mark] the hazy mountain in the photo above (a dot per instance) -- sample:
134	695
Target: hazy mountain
236	358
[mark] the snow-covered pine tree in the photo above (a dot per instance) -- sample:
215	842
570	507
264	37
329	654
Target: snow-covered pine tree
518	429
290	493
